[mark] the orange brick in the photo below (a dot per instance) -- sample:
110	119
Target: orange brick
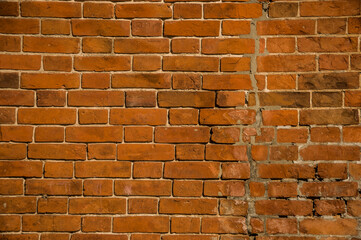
143	188
101	151
147	63
106	28
186	10
49	134
235	27
10	44
20	168
98	10
96	98
143	205
192	28
97	205
53	187
98	187
55	27
51	98
184	45
97	45
50	80
57	63
232	10
143	10
96	224
51	45
146	28
147	170
138	134
95	80
46	116
20	62
21	26
50	223
103	169
58	170
52	205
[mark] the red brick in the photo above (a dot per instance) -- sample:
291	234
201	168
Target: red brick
285	99
333	62
286	27
98	236
58	170
329	116
94	134
96	98
147	28
327	99
182	134
21	26
16	133
284	207
147	63
143	10
97	45
97	205
160	152
147	170
20	168
185	225
193	170
192	28
51	45
10	151
96	224
354	207
280	10
141	45
325	134
235	171
351	134
103	169
7	115
138	134
151	224
332	170
101	151
232	10
10	223
288	153
328	227
50	80
98	10
292	135
227	117
281	45
257	226
21	236
55	27
329	207
275	82
134	116
235	64
289	63
93	116
9	9
330	8
230	99
49	134
352	98
46	116
228	46
17	205
140	98
227	82
183	116
106	28
280	117
11	187
141	80
226	153
330	189
186	10
50	223
53	187
20	62
57	151
187	206
143	205
188	237
10	43
223	225
9	80
57	63
279	171
259	152
187	188
282	189
143	188
190	63
52	205
98	188
327	44
233	207
95	80
184	45
354	25
225	135
101	64
224	188
236	27
281	226
330	152
51	9
331	26
186	99
54	236
190	152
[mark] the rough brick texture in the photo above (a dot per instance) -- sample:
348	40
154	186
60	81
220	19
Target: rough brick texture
180	120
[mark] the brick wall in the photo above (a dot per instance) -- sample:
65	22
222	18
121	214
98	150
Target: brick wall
177	120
